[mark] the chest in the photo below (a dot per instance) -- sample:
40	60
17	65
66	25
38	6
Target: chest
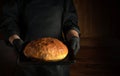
42	5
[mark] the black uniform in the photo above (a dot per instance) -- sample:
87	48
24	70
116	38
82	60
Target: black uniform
38	18
32	19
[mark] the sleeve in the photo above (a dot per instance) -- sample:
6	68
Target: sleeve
9	19
70	18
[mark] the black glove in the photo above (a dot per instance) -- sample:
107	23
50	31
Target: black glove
18	44
74	44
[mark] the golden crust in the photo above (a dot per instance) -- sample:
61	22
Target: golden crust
47	49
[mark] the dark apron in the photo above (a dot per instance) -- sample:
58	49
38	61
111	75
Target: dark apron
44	70
42	21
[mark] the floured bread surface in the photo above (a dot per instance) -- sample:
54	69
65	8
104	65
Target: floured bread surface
47	49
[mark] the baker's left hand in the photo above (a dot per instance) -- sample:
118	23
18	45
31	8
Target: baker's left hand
74	44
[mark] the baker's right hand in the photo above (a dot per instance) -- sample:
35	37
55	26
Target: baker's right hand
18	45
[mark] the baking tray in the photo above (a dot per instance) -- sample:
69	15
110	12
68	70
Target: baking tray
70	59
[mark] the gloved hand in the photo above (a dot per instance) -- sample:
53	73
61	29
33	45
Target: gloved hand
18	44
74	44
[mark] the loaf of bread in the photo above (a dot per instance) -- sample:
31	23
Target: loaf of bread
47	49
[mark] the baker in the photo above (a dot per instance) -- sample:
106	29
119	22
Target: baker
27	20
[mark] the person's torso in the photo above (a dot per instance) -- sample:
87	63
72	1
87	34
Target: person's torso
43	18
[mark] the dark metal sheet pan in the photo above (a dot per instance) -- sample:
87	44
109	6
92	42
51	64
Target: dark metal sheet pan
70	59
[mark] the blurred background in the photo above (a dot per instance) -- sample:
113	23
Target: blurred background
100	41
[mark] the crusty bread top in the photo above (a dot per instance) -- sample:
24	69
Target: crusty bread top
47	49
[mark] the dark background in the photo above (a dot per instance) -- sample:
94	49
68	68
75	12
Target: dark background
100	38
